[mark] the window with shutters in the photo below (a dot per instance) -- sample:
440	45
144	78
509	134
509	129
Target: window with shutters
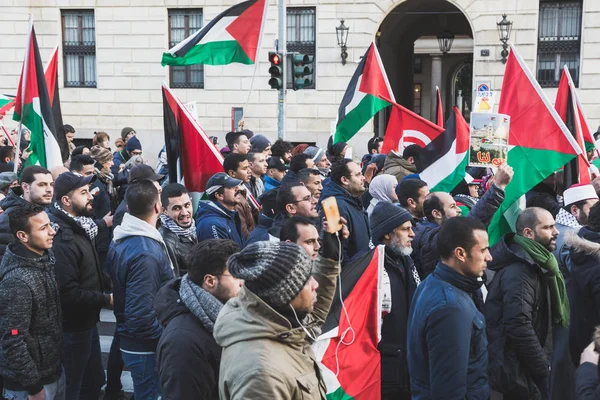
79	48
300	36
183	23
559	41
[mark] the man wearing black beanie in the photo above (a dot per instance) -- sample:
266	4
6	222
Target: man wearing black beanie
391	225
274	321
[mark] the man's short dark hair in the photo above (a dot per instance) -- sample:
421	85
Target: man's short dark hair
298	162
412	151
340	169
529	218
409	189
141	197
233	161
78	162
6	152
594	218
432	202
28	174
305	173
373	143
286	196
233	138
18	218
209	257
289	230
251	156
457	232
280	147
171	190
66	128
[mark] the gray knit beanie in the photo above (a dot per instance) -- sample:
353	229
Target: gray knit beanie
274	271
386	217
316	153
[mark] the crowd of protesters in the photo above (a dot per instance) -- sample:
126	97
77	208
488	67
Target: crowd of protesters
226	301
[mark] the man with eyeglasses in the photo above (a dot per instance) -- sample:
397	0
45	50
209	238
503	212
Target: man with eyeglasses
293	200
347	184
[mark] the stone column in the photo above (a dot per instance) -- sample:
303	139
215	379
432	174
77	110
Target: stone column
436	80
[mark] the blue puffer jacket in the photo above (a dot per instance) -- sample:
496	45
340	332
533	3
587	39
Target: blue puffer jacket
351	209
425	253
214	221
139	266
447	343
270	183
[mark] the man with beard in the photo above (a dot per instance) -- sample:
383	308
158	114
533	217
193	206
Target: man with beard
187	355
391	226
347	184
216	217
440	206
526	299
79	276
36	187
178	227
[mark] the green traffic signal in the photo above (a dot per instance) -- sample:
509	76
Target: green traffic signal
303	67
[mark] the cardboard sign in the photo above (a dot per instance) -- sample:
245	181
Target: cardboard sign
489	139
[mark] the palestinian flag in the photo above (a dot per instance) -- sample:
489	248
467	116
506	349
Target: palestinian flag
368	92
33	109
443	162
231	37
539	142
405	128
6	103
347	350
439	110
51	76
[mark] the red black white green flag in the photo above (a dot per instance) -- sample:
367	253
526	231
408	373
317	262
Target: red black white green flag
347	350
34	110
405	128
231	37
51	76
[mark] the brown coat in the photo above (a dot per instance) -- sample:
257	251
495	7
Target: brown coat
398	166
263	356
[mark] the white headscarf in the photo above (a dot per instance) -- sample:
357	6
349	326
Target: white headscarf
382	187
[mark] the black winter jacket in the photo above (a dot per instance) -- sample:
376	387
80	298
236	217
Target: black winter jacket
187	355
31	341
587	383
584	289
394	331
103	204
79	274
179	247
519	319
425	253
12	200
261	232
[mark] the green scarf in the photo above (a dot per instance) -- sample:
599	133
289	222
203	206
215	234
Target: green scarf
558	291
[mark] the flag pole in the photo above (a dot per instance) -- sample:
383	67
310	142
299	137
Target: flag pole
23	86
260	37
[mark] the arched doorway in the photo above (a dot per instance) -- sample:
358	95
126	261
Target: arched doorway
407	41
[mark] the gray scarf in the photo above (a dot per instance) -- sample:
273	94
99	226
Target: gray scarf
86	223
202	304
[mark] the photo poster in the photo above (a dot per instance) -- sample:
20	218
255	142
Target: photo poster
489	139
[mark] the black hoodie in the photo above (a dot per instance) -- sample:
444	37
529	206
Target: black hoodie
187	355
12	200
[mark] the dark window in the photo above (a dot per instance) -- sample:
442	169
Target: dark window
183	23
300	35
559	41
417	98
79	48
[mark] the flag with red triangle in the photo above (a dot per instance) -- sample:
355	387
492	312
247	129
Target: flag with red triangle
347	351
439	109
231	37
577	170
405	128
51	76
6	103
539	142
34	110
368	92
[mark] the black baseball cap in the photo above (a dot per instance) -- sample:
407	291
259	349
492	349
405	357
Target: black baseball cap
219	180
68	181
143	171
277	163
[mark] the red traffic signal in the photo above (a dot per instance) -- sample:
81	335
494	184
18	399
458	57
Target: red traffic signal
274	58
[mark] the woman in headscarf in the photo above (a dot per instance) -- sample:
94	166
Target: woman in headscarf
382	188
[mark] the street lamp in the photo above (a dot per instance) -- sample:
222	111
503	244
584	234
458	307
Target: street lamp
504	29
445	41
342	38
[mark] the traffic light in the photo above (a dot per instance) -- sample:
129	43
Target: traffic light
303	67
276	70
